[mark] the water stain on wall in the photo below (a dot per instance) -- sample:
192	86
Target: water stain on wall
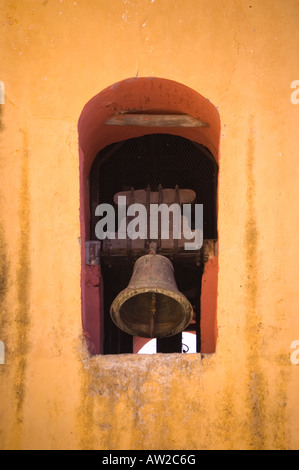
4	273
144	401
267	419
23	294
257	387
4	264
279	415
4	269
85	414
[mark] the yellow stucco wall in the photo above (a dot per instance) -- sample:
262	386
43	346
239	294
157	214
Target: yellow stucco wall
243	56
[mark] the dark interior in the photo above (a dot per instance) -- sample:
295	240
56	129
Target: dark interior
153	160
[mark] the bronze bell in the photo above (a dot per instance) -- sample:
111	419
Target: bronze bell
152	306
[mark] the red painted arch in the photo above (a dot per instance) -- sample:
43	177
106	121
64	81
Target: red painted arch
149	95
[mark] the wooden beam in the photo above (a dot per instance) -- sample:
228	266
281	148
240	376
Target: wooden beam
155	120
187	196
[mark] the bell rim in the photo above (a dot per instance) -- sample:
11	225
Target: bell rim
130	293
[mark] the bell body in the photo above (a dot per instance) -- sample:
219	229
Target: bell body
152	306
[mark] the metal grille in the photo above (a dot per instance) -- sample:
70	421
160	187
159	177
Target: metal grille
153	160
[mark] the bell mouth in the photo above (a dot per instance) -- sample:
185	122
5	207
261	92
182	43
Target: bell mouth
132	312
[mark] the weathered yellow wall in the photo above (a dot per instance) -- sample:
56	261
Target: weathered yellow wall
55	56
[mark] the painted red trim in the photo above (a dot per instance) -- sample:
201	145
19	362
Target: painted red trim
93	312
209	295
153	95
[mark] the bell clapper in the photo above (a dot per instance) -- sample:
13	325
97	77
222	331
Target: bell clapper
153	314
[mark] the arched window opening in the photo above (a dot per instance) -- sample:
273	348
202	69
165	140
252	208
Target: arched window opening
153	135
